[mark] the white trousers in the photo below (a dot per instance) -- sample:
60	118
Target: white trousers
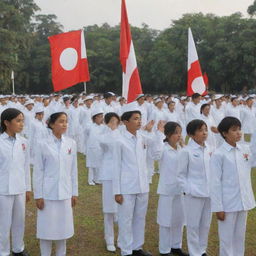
12	219
109	236
93	175
131	222
198	217
46	247
232	234
169	237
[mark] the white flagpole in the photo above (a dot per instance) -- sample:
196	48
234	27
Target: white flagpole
12	77
85	87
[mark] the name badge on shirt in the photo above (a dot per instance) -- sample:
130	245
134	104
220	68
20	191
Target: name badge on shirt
195	155
23	146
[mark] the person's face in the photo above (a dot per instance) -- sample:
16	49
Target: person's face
235	102
88	103
61	124
75	104
67	103
233	135
30	106
99	119
249	103
218	103
197	100
113	122
40	116
160	104
141	100
134	123
15	125
46	102
200	135
109	100
171	107
206	111
175	137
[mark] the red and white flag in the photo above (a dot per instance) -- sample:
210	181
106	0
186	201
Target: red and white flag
131	78
69	59
195	78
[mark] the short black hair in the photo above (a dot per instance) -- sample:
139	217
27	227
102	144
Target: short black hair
195	95
194	125
169	129
109	115
127	115
234	98
94	117
107	95
203	107
228	122
8	115
53	118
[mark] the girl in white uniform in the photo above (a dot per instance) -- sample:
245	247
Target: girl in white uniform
109	134
194	179
15	182
170	213
231	188
55	186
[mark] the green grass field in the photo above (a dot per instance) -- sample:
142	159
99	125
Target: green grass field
89	240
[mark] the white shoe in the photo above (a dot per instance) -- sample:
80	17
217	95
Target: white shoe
111	248
91	183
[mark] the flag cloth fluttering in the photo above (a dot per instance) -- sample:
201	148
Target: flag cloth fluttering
131	80
69	59
195	78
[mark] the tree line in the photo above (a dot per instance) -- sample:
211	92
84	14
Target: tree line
226	48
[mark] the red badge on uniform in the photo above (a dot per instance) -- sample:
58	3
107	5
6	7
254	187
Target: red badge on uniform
69	151
246	157
23	146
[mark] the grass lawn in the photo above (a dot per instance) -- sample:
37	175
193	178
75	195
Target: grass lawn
89	240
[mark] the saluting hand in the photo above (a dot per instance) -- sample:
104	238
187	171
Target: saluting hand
149	126
119	199
74	201
160	126
40	203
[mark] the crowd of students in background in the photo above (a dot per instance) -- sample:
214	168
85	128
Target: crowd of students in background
205	147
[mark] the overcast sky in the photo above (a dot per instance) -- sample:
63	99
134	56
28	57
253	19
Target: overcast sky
74	14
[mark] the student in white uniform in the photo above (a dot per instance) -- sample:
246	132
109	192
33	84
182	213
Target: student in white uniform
170	212
93	149
55	185
109	204
231	188
130	183
15	182
194	180
192	110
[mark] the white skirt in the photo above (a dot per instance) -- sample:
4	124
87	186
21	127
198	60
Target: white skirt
109	204
55	221
170	211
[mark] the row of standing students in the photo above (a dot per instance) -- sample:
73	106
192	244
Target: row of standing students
207	182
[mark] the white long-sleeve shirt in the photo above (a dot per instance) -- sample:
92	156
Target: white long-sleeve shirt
231	188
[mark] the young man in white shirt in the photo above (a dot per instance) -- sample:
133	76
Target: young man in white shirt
231	188
130	181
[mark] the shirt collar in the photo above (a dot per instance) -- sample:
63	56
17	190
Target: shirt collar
195	145
228	147
4	135
128	134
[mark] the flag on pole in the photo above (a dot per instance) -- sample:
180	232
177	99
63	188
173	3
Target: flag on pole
195	78
131	79
206	80
69	59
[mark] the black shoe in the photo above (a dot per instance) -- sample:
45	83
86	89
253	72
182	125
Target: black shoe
165	254
179	252
204	254
24	253
141	253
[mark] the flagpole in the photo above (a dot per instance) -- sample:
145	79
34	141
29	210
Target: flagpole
12	78
85	87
